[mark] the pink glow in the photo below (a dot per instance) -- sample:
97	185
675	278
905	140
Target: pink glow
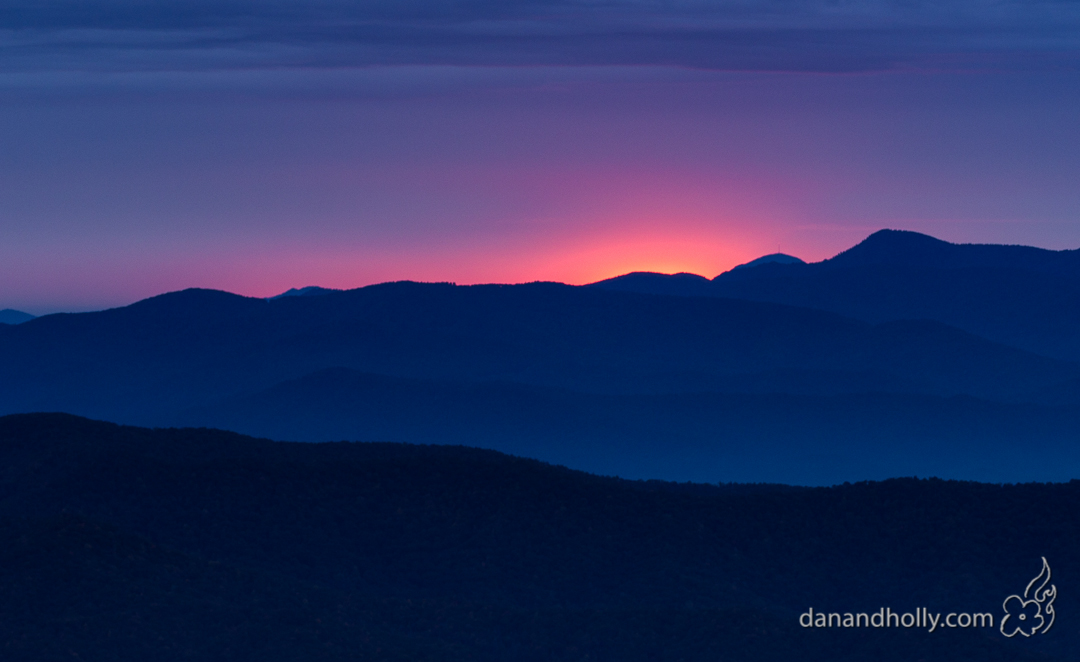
106	203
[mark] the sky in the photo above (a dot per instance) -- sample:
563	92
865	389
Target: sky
151	146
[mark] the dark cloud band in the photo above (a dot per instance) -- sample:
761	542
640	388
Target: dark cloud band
754	36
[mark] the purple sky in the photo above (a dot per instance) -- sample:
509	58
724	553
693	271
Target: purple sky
253	147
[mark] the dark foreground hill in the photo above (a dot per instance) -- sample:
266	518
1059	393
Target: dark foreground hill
131	544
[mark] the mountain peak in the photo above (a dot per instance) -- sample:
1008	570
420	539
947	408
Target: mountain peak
309	291
774	258
912	249
647	282
9	316
897	247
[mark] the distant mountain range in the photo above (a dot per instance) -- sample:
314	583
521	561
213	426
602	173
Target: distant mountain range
904	355
702	437
131	544
308	291
9	316
1020	296
774	258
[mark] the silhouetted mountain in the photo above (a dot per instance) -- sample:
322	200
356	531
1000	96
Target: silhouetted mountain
9	316
774	258
199	353
133	544
793	439
196	346
681	284
309	291
646	282
1024	297
912	249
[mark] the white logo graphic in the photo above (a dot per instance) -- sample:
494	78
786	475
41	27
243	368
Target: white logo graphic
1034	612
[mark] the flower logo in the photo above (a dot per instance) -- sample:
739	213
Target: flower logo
1034	611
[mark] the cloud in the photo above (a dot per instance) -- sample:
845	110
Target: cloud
770	35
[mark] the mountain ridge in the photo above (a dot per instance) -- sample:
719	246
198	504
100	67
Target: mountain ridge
10	316
620	368
587	377
538	333
772	258
1024	297
916	249
738	436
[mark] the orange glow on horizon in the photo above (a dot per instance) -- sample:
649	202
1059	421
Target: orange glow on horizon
576	262
597	247
607	259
